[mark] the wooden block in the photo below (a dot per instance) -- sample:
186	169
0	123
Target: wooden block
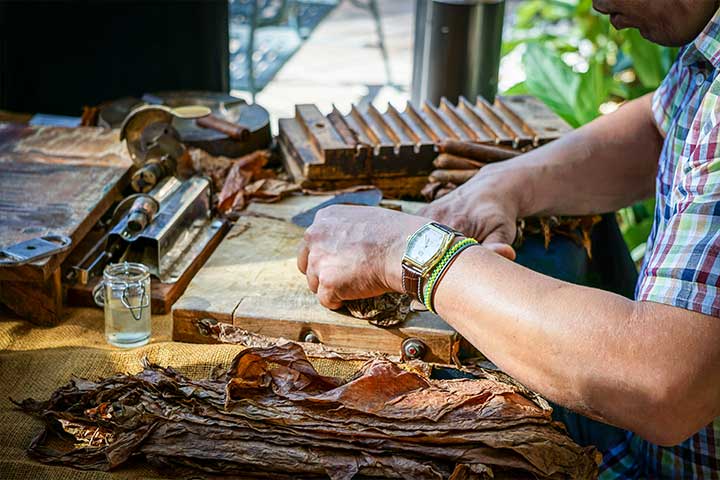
367	146
55	181
540	121
486	120
14	117
252	281
41	303
322	135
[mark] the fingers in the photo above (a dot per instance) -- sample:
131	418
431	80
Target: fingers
307	263
502	249
308	267
500	242
328	298
302	256
313	282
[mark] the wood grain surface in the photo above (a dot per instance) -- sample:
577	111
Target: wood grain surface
252	281
55	181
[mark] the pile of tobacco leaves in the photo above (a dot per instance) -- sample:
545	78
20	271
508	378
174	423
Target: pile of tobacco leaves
272	415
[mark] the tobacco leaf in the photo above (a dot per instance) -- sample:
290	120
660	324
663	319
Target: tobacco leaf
578	229
385	310
271	413
241	173
269	190
214	167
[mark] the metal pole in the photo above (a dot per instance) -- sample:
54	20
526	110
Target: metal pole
457	49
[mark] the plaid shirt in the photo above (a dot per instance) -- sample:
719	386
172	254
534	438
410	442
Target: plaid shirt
682	266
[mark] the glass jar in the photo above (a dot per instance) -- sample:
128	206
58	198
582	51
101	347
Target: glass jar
124	293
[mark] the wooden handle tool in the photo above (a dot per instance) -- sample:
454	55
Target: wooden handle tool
232	130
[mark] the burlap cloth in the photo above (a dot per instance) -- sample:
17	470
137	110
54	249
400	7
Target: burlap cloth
34	361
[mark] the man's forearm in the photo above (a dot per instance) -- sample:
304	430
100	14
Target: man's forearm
632	364
605	165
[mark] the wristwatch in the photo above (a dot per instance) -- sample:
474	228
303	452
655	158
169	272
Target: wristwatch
423	251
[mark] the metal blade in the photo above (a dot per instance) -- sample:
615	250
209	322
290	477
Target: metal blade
366	197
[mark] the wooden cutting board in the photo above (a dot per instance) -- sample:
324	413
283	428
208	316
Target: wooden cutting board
252	281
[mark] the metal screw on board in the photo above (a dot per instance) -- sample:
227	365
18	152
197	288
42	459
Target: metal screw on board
205	325
310	337
413	348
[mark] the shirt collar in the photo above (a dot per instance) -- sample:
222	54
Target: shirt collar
707	43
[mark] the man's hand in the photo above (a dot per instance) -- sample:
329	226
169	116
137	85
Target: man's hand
480	209
353	252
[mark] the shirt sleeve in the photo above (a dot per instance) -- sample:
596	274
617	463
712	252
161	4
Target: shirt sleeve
683	268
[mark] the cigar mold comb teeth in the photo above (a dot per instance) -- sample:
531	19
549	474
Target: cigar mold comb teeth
395	150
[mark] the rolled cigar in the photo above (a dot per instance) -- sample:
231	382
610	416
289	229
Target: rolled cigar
458	177
445	190
232	130
476	151
429	191
453	162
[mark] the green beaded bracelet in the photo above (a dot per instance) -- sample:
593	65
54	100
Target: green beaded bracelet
440	268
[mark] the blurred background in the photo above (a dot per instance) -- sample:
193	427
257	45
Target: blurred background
56	57
359	52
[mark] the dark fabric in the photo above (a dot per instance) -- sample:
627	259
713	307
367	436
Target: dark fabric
589	432
611	267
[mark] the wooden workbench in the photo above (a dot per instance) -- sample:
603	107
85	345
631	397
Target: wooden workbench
252	281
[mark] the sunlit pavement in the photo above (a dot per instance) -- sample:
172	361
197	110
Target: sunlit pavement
341	63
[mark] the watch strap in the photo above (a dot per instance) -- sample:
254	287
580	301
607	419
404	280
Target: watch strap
446	229
411	277
410	281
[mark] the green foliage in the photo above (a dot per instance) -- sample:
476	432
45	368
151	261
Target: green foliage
575	62
576	97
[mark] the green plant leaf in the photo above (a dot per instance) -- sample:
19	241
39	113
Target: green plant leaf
649	60
517	89
552	81
593	91
550	28
511	44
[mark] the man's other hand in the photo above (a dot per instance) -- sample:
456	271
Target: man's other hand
480	209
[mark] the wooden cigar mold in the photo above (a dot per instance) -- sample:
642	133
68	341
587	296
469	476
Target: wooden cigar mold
395	150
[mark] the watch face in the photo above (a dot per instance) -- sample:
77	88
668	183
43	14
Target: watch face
424	245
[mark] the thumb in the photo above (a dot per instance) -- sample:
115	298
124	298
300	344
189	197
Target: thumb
500	243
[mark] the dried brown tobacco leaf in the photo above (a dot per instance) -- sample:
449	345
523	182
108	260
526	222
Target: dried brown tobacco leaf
269	190
274	415
239	176
214	167
577	229
386	310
